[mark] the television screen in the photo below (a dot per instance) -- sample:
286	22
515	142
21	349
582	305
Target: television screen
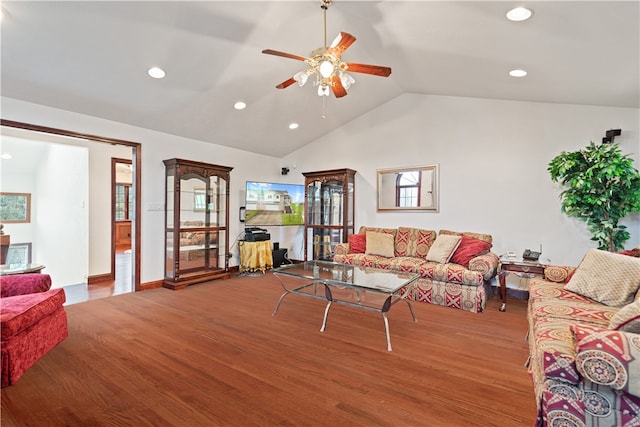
274	204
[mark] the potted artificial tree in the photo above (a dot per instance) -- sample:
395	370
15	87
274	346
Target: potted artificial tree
601	188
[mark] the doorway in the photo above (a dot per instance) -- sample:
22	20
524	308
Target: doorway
122	218
133	273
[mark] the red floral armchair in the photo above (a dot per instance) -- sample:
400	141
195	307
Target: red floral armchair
32	322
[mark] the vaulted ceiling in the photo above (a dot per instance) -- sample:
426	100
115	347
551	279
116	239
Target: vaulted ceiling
92	58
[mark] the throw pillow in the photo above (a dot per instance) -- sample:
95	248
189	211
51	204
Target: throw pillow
413	242
627	319
443	248
607	357
469	248
609	278
379	244
357	243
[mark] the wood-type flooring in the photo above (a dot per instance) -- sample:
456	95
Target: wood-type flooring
214	355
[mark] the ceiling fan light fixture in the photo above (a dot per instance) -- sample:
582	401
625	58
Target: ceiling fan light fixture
326	68
347	80
301	77
323	89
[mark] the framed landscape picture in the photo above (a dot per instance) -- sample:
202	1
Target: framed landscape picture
15	207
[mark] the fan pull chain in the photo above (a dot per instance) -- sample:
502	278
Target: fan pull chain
323	109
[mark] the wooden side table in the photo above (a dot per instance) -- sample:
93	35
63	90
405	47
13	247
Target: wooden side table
520	267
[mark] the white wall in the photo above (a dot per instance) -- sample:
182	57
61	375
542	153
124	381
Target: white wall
157	146
60	214
493	158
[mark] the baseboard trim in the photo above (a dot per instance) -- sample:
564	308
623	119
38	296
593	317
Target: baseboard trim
151	285
99	278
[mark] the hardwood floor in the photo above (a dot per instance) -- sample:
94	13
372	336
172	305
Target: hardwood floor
121	285
213	355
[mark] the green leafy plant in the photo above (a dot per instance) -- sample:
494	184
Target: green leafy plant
602	187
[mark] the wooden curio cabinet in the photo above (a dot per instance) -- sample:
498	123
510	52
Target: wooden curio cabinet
196	222
329	211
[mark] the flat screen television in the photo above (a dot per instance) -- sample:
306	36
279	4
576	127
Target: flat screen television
268	203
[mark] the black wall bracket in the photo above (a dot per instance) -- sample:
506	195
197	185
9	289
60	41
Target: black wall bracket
610	135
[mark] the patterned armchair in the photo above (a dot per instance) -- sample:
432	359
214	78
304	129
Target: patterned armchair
33	321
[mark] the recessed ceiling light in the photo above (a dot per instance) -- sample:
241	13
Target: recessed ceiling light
293	126
519	14
239	105
156	73
517	73
6	156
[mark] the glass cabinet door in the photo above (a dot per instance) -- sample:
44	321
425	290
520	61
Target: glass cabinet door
196	222
329	211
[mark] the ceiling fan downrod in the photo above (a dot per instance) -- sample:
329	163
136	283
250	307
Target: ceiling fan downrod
324	6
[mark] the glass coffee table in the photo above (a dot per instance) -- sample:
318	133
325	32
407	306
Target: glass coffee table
362	287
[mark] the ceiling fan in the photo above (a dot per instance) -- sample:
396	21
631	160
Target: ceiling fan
326	65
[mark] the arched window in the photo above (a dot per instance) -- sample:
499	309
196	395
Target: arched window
408	189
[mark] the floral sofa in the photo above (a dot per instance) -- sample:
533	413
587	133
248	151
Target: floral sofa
584	354
458	276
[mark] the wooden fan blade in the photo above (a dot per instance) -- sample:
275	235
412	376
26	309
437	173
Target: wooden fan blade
285	84
336	86
284	54
340	44
376	70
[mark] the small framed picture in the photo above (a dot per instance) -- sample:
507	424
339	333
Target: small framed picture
15	207
19	253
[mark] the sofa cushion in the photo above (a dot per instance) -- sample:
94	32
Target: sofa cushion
480	236
381	244
413	242
19	312
607	357
357	243
450	273
627	319
400	263
443	248
468	249
20	284
364	229
609	278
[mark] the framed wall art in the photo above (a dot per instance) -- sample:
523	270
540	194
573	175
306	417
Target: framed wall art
19	253
15	207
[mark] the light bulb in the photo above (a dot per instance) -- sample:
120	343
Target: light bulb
301	77
326	69
346	80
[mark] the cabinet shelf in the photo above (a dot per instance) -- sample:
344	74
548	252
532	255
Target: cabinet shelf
329	207
196	222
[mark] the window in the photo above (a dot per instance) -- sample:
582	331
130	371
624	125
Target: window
408	189
124	202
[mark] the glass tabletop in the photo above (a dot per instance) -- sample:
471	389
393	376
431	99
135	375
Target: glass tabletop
7	269
348	275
